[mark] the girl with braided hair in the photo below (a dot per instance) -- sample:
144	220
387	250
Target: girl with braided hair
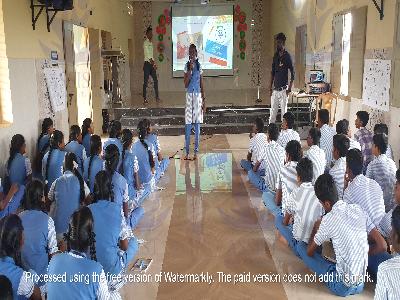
132	213
11	242
18	167
114	131
54	159
43	144
87	131
40	241
67	194
115	244
75	145
81	239
94	163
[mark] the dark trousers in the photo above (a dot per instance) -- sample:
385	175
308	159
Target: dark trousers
148	70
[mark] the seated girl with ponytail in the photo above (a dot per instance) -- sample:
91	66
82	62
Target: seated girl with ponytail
18	167
40	242
120	188
94	163
80	240
111	230
114	131
75	145
152	139
11	242
10	202
43	145
87	131
143	151
130	168
54	159
67	194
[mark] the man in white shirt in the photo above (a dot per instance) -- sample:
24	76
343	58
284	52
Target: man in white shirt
256	146
288	134
302	206
150	67
342	127
341	146
327	133
315	153
270	163
349	229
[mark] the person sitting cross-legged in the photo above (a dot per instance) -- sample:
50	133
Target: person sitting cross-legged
315	153
341	146
288	133
327	133
343	127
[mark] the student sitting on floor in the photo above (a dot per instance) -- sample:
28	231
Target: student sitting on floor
349	229
43	145
385	227
66	195
383	128
129	169
94	163
382	169
75	145
388	279
87	131
54	159
10	202
114	131
80	240
288	134
364	137
341	146
11	242
286	180
315	153
327	133
302	206
120	187
143	151
271	162
343	127
40	241
6	292
18	168
256	146
115	244
161	162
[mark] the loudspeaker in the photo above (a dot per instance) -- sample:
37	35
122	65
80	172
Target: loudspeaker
59	4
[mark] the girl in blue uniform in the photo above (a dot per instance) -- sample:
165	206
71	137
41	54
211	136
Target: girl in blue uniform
129	169
113	235
114	131
75	145
18	168
132	213
87	131
11	242
80	240
10	202
39	234
160	162
143	151
66	194
94	163
54	159
43	145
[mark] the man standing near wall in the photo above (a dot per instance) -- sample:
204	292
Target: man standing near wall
280	88
150	67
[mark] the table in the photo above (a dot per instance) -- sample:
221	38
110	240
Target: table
311	98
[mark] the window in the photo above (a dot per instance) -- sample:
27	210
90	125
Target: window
300	56
346	41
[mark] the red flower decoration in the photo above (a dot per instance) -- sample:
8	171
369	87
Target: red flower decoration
166	12
242	27
158	30
160	47
162	20
237	8
168	20
242	17
163	30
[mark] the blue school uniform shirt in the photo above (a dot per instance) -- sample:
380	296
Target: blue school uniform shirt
107	234
97	165
39	241
86	143
131	165
116	142
120	189
142	155
71	265
79	151
65	193
14	203
153	140
19	169
44	143
194	84
16	276
55	165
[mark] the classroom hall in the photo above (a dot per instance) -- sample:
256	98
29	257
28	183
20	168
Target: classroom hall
199	149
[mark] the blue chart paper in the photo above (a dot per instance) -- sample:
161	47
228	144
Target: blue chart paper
221	51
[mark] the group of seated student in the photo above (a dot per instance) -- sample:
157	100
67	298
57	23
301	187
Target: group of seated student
341	190
76	215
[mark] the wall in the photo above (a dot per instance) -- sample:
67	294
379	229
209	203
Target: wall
25	47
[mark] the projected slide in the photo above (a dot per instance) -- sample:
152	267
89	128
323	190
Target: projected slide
213	37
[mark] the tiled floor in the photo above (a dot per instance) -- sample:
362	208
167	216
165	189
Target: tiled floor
209	219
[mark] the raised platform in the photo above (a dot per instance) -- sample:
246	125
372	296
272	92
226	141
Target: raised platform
217	119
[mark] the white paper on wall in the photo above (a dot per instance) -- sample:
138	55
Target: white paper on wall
55	80
376	85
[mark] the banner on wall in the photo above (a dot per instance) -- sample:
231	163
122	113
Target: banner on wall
55	80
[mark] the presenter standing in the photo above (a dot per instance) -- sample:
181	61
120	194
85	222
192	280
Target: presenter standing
150	67
195	100
280	88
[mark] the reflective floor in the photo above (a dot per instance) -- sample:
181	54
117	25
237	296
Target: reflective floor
210	236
